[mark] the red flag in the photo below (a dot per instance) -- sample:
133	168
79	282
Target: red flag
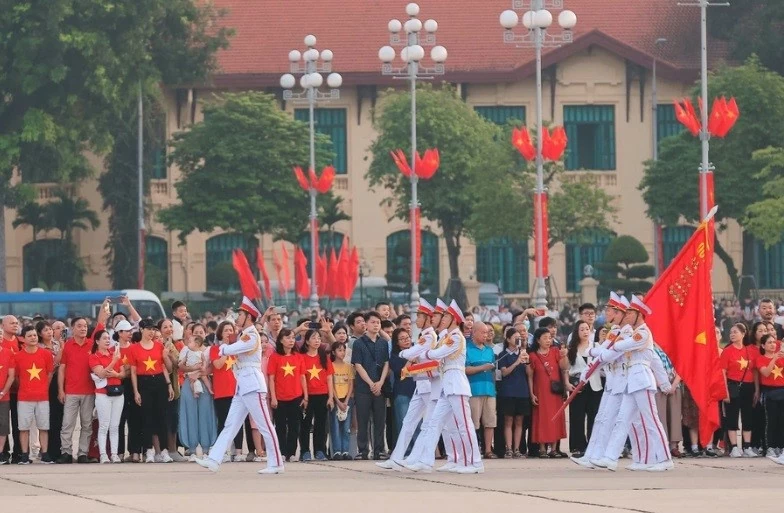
558	140
264	276
694	125
716	116
540	203
416	218
333	278
682	324
522	141
429	164
301	274
547	144
321	274
324	182
279	272
354	272
401	162
301	180
730	116
284	256
341	282
248	284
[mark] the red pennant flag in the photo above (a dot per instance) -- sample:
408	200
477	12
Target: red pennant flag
682	324
430	162
522	141
321	274
341	283
694	126
354	272
303	182
264	276
730	116
540	203
716	117
401	162
248	284
558	140
278	272
301	274
333	277
324	183
312	177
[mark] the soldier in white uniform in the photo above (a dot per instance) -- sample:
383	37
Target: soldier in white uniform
250	396
639	395
453	402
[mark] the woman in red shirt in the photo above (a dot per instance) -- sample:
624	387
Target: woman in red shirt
738	364
131	413
771	369
544	370
288	391
106	365
152	390
758	330
224	384
317	369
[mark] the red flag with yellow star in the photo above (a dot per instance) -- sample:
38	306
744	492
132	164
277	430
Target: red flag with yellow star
682	324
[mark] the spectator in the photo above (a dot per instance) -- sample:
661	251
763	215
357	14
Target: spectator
131	413
514	401
738	364
7	376
34	366
758	330
48	341
402	390
106	365
212	327
547	389
587	313
771	380
583	409
356	323
318	371
669	404
370	357
288	392
480	369
403	321
173	342
224	384
197	425
179	312
152	391
384	310
76	389
340	420
767	313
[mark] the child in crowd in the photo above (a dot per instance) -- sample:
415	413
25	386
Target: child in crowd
194	354
340	420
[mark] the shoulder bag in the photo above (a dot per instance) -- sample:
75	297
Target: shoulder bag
733	387
556	385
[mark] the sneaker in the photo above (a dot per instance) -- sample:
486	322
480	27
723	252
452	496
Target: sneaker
65	459
419	467
605	463
306	456
46	459
471	470
320	456
380	456
105	459
271	470
386	464
176	457
583	462
711	453
363	456
771	454
237	458
337	456
150	456
250	457
116	459
347	456
748	452
4	460
661	467
637	466
736	452
779	460
211	465
192	458
23	459
226	458
447	467
165	458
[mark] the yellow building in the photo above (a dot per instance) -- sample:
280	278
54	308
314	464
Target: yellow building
598	87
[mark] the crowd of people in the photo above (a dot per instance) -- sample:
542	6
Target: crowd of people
157	391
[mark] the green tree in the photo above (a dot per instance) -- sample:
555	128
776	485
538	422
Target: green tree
68	67
67	214
669	185
625	256
468	146
751	27
765	218
34	215
236	171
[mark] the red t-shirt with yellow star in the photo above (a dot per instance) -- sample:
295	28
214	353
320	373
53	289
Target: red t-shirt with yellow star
739	363
315	375
125	354
76	357
32	372
103	360
223	381
287	370
148	362
776	378
7	361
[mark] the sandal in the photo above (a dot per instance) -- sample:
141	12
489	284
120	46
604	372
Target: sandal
490	456
508	454
518	455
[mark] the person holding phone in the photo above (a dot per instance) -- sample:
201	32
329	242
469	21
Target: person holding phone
514	396
106	364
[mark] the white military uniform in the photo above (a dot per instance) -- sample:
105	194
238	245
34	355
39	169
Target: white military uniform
452	405
250	397
639	389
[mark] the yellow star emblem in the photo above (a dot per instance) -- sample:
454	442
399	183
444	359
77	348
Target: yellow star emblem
743	363
230	361
149	363
288	370
314	372
777	372
35	373
125	359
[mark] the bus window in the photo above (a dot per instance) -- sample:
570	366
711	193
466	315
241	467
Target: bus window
31	309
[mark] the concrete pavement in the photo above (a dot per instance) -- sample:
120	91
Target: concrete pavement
542	486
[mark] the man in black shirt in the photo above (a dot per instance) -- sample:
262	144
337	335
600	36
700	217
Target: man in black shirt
370	357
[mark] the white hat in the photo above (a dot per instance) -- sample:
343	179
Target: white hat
425	307
455	311
615	302
624	302
637	304
123	325
440	306
248	306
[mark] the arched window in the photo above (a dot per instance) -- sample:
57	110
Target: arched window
327	241
399	263
769	265
156	276
40	263
503	262
219	270
673	239
587	249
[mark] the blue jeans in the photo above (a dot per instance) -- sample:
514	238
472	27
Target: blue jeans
339	431
401	407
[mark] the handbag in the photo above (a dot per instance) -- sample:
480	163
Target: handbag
556	386
114	390
733	387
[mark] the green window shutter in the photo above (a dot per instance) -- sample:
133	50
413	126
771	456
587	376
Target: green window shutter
505	263
673	239
399	263
157	255
602	120
158	163
666	123
501	114
769	265
327	241
330	122
581	251
219	250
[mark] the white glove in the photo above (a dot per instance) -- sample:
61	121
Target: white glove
666	388
583	375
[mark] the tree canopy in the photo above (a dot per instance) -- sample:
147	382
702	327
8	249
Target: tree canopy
765	218
751	27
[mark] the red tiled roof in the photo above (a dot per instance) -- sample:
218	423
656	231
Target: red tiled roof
266	30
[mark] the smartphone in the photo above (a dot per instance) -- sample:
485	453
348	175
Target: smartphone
314	325
280	310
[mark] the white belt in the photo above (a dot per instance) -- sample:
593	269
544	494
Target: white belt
644	364
247	366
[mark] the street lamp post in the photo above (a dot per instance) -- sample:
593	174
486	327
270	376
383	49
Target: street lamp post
413	42
536	18
655	136
311	64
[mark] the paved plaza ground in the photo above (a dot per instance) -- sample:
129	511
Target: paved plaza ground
540	486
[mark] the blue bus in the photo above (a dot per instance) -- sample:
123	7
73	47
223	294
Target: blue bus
65	305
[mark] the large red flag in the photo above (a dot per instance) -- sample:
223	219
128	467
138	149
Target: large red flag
264	276
353	273
682	324
248	284
301	274
341	282
284	256
321	274
282	289
333	278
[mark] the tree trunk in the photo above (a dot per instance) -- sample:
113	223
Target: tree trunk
729	264
454	287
